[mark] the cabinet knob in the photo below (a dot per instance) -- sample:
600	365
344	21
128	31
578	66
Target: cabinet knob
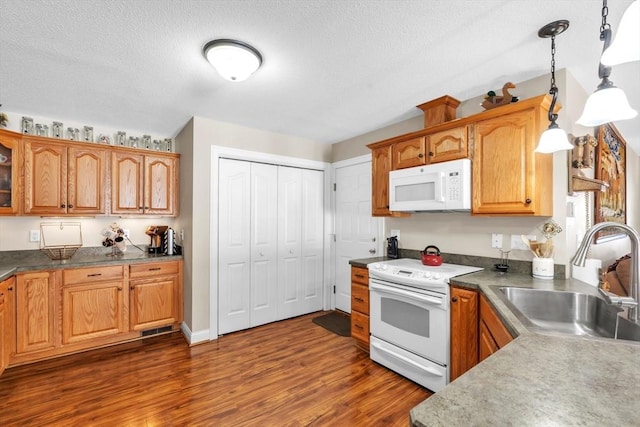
431	153
420	155
454	299
119	289
70	206
63	205
130	288
10	288
527	201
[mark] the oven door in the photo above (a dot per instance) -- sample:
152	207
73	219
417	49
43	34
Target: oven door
414	319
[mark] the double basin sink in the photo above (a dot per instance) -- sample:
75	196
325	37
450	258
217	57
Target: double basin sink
568	312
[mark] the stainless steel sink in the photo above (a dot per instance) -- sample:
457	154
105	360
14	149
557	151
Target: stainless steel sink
565	312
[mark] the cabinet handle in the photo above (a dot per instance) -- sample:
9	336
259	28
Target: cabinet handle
130	288
10	288
431	153
527	201
420	155
155	268
63	205
94	275
358	326
454	299
139	207
70	206
119	289
361	276
358	299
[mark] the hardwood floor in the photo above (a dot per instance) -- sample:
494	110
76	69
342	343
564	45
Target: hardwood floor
288	373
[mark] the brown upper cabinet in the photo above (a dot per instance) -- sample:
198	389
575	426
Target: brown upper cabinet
143	184
63	179
48	176
508	177
10	170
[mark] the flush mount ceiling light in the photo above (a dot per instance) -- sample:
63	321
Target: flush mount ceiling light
233	60
626	46
608	103
554	138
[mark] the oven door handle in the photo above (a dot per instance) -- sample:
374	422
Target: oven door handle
407	360
402	292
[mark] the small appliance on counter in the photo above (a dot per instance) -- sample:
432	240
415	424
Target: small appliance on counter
431	256
169	243
392	247
156	233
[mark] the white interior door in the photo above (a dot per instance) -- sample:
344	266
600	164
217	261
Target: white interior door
264	243
358	234
234	267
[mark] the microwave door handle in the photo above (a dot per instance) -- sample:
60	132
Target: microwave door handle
440	187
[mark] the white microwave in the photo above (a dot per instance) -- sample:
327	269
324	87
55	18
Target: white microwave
442	186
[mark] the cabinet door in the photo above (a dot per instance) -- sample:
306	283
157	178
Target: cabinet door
126	183
86	175
7	326
160	185
409	153
35	311
508	177
464	331
45	178
451	144
380	167
92	311
10	168
487	345
153	302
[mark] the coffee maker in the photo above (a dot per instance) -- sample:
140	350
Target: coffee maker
156	232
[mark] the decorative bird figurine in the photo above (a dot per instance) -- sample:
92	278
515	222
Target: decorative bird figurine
493	101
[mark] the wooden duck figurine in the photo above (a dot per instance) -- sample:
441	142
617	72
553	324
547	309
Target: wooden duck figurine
493	101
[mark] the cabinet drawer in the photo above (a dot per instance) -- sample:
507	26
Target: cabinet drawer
360	327
493	324
92	274
359	298
153	269
360	275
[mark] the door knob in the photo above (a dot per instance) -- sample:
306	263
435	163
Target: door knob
373	240
372	251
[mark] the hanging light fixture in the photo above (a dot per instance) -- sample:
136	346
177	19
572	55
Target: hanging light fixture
626	46
554	138
608	103
233	60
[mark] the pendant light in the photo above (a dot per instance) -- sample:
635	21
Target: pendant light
233	60
608	103
626	46
554	138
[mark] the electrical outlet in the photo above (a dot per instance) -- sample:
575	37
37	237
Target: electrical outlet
126	233
34	235
496	241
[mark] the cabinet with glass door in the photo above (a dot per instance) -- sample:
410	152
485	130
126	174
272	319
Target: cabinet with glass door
9	173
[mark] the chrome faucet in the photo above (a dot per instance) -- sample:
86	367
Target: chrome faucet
580	257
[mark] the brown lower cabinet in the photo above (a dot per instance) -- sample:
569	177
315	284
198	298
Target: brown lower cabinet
360	307
65	311
7	326
476	330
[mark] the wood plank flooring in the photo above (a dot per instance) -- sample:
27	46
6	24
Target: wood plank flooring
288	373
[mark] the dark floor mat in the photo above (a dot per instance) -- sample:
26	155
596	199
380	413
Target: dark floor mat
338	323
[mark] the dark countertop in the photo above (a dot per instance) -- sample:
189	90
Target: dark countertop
363	262
12	262
539	379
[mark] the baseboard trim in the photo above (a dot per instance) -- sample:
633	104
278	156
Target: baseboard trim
194	338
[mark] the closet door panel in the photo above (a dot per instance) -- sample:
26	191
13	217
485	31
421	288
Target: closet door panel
290	301
264	243
312	198
234	245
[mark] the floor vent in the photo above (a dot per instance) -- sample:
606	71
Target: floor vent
156	331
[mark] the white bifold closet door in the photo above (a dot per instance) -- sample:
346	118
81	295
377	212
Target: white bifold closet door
300	232
248	245
270	230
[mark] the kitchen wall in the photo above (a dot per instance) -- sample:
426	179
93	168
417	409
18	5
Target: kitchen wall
471	235
194	143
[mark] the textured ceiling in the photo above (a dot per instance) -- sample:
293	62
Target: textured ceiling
333	69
